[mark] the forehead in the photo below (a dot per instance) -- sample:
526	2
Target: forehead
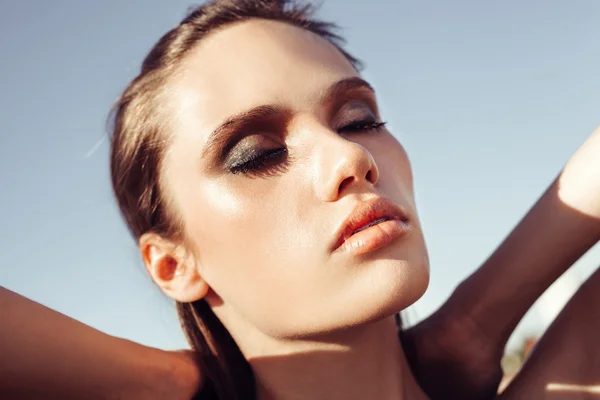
253	63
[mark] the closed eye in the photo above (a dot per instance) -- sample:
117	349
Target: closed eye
262	163
361	126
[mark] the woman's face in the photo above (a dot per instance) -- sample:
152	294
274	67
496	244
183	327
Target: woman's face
276	141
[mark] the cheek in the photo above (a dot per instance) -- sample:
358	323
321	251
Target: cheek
223	223
248	236
395	172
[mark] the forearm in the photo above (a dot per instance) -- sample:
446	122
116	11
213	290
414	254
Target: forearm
47	354
538	251
556	232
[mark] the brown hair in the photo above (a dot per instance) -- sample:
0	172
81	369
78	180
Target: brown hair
140	136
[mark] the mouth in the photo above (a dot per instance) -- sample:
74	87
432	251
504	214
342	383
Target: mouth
371	224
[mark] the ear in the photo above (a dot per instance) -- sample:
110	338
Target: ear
172	268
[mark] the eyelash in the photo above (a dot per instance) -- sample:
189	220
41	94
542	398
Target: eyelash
273	161
361	126
264	163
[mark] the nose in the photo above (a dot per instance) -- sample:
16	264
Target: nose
344	166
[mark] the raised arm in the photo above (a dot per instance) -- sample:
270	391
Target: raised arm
45	354
558	230
458	349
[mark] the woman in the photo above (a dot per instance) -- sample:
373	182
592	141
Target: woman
251	163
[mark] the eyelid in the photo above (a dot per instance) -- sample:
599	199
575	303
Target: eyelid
258	163
356	114
247	145
260	129
360	96
261	119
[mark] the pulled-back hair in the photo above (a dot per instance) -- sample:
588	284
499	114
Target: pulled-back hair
140	136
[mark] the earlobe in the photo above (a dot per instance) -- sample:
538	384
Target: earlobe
172	268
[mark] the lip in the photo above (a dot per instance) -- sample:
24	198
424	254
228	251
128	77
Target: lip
373	237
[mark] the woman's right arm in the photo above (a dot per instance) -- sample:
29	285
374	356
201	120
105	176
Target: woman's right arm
45	354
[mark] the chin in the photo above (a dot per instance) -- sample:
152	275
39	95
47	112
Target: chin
381	285
394	284
390	287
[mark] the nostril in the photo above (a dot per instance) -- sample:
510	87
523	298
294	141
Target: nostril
345	184
369	176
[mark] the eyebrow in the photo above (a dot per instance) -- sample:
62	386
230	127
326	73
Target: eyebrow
224	136
343	86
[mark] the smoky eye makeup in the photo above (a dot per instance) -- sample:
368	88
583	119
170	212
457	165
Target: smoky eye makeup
356	116
256	155
248	148
248	141
252	143
266	154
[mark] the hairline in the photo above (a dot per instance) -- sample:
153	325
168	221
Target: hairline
173	75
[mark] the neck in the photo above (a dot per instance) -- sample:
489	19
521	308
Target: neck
365	362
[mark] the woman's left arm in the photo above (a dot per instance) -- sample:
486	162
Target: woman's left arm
458	349
562	226
579	182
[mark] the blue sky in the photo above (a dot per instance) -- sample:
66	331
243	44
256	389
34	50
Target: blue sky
489	98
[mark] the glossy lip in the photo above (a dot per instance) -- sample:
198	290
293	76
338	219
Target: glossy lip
366	212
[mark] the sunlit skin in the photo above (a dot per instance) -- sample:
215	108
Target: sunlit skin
272	140
258	243
312	322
